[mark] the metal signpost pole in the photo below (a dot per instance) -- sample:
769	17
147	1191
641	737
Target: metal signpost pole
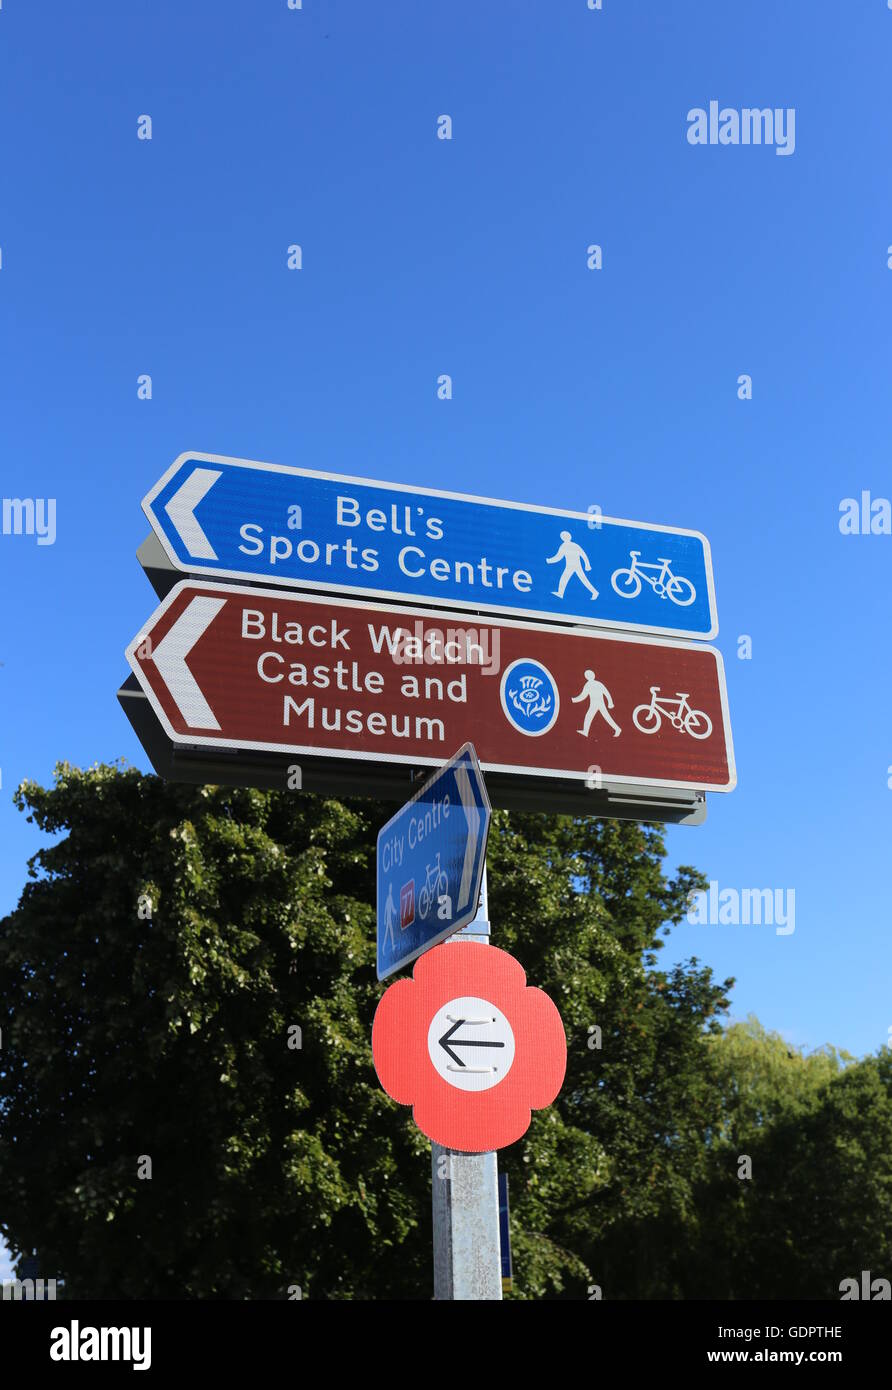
465	1188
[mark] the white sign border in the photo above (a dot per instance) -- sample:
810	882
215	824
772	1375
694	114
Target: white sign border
563	774
317	585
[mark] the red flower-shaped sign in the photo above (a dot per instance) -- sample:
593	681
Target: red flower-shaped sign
469	1046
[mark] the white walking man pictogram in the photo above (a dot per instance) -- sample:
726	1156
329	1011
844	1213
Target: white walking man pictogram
389	916
600	702
575	562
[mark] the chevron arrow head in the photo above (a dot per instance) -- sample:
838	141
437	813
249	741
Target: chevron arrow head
181	510
447	1038
170	659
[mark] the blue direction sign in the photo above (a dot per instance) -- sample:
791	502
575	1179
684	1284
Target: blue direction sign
430	862
235	519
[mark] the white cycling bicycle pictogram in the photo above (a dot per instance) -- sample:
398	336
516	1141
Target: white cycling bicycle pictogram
649	718
435	885
627	581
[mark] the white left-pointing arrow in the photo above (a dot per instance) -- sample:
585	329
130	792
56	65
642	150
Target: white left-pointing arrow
469	806
170	658
181	510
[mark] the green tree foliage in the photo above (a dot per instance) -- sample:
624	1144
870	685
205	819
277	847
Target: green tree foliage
173	940
818	1206
793	1188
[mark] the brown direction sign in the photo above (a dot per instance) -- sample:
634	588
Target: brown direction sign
231	667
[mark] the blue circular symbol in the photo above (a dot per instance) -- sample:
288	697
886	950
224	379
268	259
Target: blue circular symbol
530	697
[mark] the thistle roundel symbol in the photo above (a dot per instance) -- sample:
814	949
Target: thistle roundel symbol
530	699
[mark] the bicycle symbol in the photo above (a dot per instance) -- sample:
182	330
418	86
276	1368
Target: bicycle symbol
649	718
627	582
436	883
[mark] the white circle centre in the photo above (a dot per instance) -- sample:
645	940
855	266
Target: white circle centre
471	1044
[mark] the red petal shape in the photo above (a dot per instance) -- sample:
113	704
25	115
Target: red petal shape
469	1121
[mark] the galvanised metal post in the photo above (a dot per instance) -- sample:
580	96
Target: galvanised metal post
465	1189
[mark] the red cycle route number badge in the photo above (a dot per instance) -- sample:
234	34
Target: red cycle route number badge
470	1046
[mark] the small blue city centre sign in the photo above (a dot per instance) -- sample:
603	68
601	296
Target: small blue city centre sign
430	862
291	527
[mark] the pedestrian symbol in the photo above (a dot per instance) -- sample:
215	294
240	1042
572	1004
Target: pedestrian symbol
389	917
576	562
600	702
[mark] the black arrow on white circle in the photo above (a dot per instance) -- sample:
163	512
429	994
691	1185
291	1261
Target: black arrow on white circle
448	1042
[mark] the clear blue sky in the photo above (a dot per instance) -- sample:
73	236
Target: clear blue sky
571	387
